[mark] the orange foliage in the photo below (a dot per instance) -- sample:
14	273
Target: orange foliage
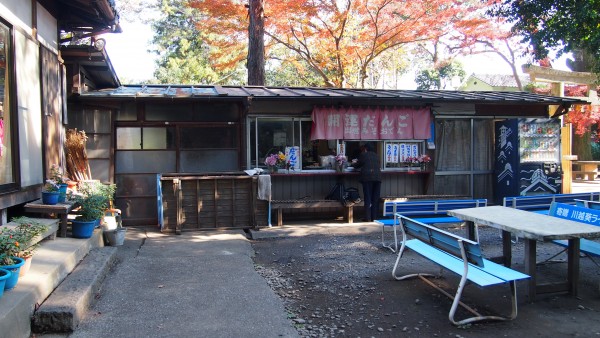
583	117
335	37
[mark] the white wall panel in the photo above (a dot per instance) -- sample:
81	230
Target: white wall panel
29	110
17	12
47	29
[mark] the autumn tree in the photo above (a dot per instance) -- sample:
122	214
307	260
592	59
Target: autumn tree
476	33
256	43
337	39
566	26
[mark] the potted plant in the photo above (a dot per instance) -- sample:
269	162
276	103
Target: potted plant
341	161
26	231
107	190
50	193
58	177
91	209
275	161
9	260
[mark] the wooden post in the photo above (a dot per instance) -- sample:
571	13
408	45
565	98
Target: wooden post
565	150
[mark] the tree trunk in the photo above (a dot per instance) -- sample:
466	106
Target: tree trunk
256	44
582	146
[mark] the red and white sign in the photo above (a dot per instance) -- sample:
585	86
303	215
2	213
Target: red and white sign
357	123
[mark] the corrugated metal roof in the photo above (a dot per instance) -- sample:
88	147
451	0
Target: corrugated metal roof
308	93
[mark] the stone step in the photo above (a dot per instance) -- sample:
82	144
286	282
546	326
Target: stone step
66	306
52	262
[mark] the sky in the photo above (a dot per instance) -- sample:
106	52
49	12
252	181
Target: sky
128	52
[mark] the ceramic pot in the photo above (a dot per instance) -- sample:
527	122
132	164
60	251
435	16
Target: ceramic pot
4	276
82	229
50	197
25	268
14	269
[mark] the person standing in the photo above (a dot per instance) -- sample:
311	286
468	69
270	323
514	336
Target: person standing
370	178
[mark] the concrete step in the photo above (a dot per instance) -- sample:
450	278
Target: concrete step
52	262
68	303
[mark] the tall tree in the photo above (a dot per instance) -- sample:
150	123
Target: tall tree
440	76
335	38
184	57
256	43
566	26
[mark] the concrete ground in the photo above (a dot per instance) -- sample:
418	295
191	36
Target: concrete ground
199	284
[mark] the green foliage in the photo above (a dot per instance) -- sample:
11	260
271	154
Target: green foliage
567	26
14	242
91	207
106	190
438	78
9	246
94	199
183	54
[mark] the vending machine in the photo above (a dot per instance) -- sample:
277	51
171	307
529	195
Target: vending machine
527	158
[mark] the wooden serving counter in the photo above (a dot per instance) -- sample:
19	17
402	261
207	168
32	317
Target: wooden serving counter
229	200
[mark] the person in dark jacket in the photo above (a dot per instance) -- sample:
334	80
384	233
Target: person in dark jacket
370	177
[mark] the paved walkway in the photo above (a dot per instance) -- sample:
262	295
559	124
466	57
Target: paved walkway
193	285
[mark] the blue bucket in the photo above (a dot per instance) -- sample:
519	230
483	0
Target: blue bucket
14	269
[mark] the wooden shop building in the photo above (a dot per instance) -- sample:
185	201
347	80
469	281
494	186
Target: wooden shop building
178	153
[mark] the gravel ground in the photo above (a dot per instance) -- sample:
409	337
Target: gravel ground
339	284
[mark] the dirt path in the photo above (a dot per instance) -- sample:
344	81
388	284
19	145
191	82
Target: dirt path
340	285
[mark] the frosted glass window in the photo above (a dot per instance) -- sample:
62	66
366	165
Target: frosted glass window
209	160
129	138
98	146
155	138
128	112
209	137
145	162
100	169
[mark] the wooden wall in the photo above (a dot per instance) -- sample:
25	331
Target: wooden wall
227	202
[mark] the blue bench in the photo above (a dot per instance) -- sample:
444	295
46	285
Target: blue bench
541	203
588	204
578	214
461	256
425	211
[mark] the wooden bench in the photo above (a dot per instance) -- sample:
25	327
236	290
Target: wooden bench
459	255
280	205
578	214
425	211
541	203
585	175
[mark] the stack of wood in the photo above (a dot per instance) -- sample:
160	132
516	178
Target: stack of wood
78	167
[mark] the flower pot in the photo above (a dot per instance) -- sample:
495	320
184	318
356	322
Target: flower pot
25	268
62	189
4	276
50	197
82	229
14	269
115	237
